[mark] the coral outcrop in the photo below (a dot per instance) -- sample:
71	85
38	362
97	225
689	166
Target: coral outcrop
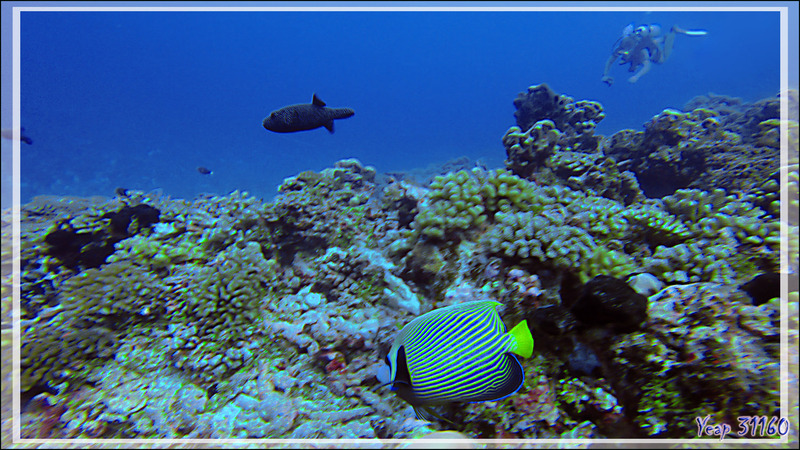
715	142
554	142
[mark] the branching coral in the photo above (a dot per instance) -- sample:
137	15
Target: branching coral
575	120
554	141
464	200
713	215
692	262
544	237
652	224
596	174
528	150
550	126
213	327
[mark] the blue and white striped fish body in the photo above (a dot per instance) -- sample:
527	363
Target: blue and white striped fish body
460	353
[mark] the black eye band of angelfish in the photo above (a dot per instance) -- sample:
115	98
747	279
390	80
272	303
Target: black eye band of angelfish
389	363
393	381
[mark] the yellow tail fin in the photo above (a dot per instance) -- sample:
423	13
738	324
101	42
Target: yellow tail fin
521	340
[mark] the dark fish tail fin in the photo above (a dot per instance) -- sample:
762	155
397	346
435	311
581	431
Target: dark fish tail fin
329	126
316	101
343	113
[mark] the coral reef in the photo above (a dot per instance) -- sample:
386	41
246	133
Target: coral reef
214	310
715	142
228	316
707	344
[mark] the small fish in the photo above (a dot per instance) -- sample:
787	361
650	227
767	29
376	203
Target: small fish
204	170
305	116
460	353
8	133
122	192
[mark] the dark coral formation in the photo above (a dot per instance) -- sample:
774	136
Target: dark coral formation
576	120
718	142
737	116
554	142
89	249
763	287
307	215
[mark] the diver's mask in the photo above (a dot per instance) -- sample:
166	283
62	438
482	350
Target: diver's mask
642	31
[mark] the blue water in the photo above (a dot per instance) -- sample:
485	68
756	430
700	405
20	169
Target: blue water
140	99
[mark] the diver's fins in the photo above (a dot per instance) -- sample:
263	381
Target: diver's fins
680	30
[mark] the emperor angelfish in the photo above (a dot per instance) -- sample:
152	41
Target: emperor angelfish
305	116
460	353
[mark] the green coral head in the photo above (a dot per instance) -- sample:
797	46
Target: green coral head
545	131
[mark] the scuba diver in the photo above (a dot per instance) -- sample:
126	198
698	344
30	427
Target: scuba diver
642	46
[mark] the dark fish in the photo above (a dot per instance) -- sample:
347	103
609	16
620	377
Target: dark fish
460	353
306	116
122	192
204	170
8	133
